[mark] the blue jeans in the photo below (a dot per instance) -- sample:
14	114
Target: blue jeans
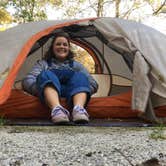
66	82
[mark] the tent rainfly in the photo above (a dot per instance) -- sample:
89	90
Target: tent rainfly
130	61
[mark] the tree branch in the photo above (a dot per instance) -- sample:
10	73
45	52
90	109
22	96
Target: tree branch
159	9
123	15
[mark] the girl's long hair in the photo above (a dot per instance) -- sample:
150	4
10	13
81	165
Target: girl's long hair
50	54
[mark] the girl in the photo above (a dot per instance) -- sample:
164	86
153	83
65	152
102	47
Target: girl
59	75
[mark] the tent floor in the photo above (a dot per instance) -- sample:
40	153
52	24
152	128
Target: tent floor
21	105
92	123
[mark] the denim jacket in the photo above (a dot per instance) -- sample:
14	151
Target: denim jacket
29	82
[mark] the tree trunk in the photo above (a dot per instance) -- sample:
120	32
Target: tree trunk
117	4
100	8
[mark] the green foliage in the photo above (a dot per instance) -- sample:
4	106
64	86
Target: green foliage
73	8
35	10
27	10
84	58
71	11
53	2
163	9
3	3
158	6
31	10
4	16
2	121
158	132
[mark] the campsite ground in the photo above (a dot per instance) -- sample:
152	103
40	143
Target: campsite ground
81	146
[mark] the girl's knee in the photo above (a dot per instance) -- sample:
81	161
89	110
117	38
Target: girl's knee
80	76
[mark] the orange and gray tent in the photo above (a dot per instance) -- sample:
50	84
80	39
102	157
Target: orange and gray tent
130	61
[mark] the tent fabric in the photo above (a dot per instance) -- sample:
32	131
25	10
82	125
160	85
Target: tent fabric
121	47
131	37
102	90
141	93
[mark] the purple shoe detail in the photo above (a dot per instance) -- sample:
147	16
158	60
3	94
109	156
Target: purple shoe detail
60	115
80	115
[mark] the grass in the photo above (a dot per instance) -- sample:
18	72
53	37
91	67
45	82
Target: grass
158	132
2	121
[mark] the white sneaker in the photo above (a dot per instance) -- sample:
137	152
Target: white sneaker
60	115
80	115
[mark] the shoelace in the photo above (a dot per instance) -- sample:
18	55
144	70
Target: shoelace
58	110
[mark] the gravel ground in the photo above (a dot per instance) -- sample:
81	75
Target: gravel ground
81	146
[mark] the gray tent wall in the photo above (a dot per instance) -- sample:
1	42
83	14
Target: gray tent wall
147	46
142	47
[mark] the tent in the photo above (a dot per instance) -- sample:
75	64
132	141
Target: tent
130	60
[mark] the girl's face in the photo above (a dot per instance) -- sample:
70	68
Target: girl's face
61	48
